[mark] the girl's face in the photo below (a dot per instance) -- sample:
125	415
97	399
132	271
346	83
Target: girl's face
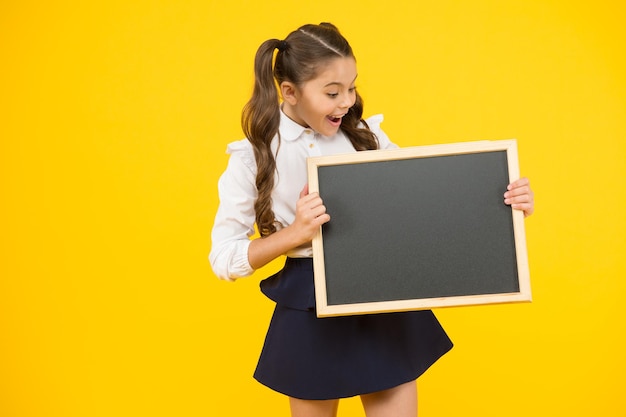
321	102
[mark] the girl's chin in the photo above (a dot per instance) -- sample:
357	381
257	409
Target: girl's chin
329	131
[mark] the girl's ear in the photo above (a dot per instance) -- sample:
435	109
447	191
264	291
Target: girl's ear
289	92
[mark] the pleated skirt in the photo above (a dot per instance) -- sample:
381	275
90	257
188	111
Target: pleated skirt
315	358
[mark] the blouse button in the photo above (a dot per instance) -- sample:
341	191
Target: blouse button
307	131
311	145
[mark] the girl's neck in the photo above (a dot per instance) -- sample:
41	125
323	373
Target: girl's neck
289	111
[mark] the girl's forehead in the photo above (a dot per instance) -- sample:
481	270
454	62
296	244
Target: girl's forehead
336	71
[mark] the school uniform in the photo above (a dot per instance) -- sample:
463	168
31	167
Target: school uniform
304	356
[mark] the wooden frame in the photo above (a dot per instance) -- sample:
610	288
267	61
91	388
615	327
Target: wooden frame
379	265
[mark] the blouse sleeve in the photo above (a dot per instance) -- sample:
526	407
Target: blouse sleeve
234	221
383	140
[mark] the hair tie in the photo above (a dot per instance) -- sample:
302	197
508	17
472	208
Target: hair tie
282	46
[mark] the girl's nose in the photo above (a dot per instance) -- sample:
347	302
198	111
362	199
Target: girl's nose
347	101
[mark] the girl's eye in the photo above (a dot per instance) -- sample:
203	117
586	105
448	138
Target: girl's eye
352	90
333	95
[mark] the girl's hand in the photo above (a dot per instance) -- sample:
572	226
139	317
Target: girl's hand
520	196
310	215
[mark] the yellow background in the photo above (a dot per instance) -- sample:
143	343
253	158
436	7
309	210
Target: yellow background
114	119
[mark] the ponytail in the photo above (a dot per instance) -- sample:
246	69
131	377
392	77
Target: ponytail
260	120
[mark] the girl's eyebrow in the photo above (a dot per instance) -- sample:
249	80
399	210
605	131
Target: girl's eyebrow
338	83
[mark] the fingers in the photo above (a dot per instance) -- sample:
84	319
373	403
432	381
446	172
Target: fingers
305	190
520	196
310	210
519	183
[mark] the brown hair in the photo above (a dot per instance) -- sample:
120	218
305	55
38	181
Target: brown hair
298	60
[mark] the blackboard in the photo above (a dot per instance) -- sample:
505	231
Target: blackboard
418	228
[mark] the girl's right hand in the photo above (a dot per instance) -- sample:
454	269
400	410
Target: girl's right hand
310	215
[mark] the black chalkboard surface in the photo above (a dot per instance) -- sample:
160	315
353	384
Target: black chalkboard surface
418	228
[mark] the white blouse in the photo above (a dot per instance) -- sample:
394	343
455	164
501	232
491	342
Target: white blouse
235	218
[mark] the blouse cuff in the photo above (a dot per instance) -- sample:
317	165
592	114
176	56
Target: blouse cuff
233	265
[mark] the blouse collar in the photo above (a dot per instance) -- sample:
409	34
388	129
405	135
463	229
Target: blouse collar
289	130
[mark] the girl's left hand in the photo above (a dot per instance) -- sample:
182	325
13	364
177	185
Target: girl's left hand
520	196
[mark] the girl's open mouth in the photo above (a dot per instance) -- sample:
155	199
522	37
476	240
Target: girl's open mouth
334	120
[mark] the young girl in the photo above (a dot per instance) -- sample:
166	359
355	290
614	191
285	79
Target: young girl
315	361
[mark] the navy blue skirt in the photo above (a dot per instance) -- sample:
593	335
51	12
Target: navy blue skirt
315	358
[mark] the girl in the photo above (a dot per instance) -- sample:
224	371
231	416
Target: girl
315	361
